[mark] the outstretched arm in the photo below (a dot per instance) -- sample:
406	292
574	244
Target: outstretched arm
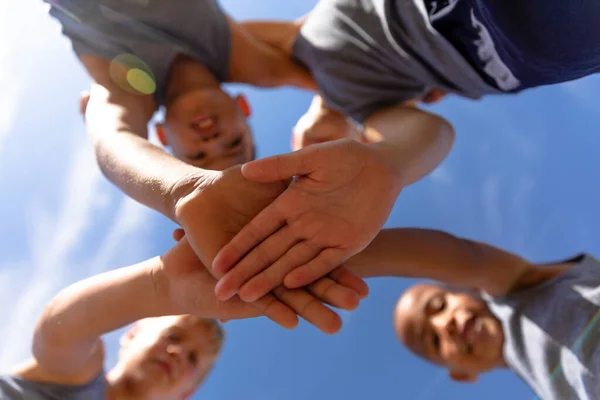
278	34
67	345
259	58
117	120
415	142
341	196
431	254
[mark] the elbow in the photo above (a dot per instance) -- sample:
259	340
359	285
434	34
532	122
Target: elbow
46	336
445	135
102	155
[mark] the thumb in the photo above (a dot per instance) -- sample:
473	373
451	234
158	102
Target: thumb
178	234
280	167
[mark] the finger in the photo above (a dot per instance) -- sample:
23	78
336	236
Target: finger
316	268
271	277
235	309
311	309
267	222
334	294
260	258
277	311
278	168
349	279
178	234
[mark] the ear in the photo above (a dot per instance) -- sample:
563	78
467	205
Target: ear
243	104
162	134
178	234
463	377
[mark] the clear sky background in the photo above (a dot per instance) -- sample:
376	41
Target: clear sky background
524	175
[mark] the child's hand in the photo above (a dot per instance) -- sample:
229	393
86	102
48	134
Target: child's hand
341	196
212	212
190	287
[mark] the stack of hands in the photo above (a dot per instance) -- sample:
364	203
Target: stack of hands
275	232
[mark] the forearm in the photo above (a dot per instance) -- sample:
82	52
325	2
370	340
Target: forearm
143	171
413	141
146	173
70	327
278	34
266	63
436	255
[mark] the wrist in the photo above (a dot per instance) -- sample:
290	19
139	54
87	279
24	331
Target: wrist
161	288
186	188
394	164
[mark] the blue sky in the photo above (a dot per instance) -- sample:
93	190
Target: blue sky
521	176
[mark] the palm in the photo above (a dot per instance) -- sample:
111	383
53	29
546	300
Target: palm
340	198
341	205
211	216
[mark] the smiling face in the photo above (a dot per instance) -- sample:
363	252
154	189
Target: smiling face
449	328
167	357
208	128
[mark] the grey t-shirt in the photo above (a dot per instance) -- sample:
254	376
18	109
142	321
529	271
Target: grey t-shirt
147	34
367	55
14	388
552	334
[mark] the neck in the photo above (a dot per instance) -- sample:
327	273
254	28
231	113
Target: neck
188	74
121	387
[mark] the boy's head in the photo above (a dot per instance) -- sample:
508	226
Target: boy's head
204	126
453	329
167	357
208	128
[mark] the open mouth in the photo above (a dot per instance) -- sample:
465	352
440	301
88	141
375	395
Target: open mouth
205	125
469	335
166	367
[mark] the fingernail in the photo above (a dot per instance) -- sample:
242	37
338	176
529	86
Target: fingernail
222	294
248	297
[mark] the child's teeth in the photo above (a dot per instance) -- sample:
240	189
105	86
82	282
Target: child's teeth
205	123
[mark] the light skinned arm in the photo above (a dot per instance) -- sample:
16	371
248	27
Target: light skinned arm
437	255
117	121
413	141
328	211
278	34
260	61
67	345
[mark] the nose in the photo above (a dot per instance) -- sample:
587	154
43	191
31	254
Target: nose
445	324
174	349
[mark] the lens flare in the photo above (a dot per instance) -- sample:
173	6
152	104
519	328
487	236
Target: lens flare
130	73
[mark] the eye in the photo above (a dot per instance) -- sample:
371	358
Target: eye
436	305
237	142
173	337
193	358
